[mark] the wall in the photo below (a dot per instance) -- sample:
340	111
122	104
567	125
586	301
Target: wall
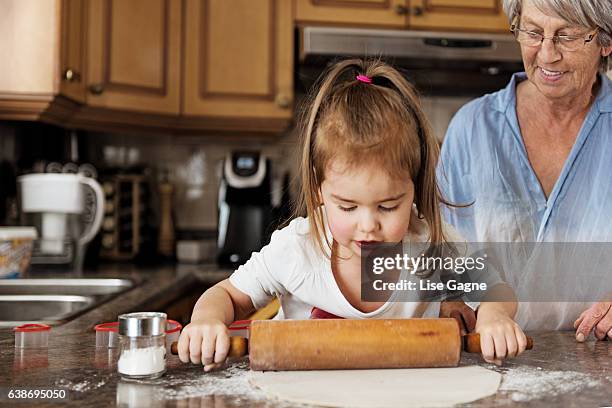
196	186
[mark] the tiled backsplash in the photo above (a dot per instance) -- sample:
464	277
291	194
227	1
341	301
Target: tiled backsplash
193	166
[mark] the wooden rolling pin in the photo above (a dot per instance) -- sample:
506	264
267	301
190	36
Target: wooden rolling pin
285	345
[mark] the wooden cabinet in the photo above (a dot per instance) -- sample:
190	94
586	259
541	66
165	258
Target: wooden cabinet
387	13
438	15
239	60
458	15
32	60
166	66
72	73
134	55
28	46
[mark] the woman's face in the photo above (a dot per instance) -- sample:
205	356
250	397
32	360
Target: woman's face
559	74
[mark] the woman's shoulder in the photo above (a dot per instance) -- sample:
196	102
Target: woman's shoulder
489	105
475	109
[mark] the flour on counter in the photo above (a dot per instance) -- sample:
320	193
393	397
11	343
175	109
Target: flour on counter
80	386
528	383
232	381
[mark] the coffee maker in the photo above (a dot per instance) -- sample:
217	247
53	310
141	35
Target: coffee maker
244	207
60	207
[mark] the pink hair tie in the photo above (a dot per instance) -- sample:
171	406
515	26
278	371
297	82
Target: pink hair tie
364	79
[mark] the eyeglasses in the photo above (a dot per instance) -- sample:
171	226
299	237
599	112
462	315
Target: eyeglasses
563	42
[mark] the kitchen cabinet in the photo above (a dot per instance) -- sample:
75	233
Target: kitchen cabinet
458	15
435	15
384	13
72	75
165	66
239	61
134	55
39	41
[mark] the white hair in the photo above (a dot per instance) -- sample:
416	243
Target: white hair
590	14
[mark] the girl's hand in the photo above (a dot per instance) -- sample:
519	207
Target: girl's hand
500	336
206	341
465	316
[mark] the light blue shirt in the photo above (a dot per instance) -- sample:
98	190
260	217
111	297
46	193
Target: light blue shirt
484	162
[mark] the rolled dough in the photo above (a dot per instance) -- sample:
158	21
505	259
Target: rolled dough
422	387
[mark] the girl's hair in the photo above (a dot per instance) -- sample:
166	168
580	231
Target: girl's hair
378	123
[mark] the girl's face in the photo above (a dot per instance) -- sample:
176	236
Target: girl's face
365	205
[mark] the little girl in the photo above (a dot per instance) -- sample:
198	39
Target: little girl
368	176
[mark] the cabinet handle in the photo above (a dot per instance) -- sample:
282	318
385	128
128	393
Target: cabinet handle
401	10
283	101
70	75
96	89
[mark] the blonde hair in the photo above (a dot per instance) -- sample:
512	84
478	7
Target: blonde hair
379	123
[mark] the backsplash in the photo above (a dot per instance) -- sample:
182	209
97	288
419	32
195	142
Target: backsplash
191	164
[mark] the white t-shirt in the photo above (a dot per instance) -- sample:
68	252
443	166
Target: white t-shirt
292	268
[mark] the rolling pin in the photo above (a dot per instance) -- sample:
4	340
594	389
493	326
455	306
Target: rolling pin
286	345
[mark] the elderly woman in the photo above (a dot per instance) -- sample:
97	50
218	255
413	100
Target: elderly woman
533	161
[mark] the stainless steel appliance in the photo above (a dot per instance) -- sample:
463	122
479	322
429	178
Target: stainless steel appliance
438	63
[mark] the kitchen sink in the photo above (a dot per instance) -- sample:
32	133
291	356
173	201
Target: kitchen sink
54	301
48	309
83	287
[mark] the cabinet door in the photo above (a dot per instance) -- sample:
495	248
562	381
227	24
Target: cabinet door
134	55
387	13
72	49
238	59
458	15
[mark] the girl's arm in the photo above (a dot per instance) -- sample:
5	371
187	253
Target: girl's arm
222	302
206	339
500	335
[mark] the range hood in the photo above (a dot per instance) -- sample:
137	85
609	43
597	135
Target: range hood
438	63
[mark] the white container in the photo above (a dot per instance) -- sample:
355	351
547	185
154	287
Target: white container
15	250
56	196
192	251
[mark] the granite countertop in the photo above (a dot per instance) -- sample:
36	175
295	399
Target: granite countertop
557	372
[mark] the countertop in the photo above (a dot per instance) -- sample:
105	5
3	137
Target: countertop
558	372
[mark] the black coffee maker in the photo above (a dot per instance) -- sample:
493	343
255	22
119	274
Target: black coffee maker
244	208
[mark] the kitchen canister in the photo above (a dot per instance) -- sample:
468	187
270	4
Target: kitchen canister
142	343
32	335
107	334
